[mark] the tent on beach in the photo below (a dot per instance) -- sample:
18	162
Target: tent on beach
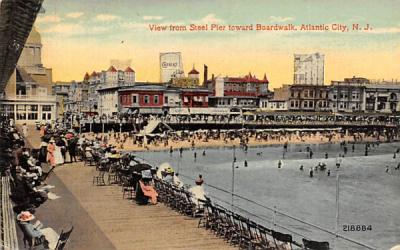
155	127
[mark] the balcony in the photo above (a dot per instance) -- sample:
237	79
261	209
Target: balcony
37	98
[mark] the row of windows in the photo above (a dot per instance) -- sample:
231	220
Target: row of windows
21	107
308	104
146	99
309	93
341	96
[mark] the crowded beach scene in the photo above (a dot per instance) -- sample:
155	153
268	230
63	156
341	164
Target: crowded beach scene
199	125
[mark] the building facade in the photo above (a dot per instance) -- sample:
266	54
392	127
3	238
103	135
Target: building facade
382	98
347	95
308	98
107	79
61	91
238	92
28	94
108	100
143	98
78	98
194	97
308	69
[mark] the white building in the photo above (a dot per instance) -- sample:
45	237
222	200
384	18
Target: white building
27	97
309	69
108	100
171	66
105	80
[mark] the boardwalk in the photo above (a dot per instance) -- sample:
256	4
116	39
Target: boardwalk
118	223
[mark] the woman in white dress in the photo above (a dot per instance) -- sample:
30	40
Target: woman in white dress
58	156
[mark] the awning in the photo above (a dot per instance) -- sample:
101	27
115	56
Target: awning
151	111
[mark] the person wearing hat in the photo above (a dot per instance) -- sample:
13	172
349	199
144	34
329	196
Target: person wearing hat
25	216
199	181
198	193
42	131
24	219
51	148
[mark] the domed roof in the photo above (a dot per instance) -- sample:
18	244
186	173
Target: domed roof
34	37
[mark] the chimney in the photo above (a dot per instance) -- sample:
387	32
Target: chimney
212	77
205	75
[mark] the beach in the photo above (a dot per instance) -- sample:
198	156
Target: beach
200	141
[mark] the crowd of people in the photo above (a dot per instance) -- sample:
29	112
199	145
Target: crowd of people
239	137
241	117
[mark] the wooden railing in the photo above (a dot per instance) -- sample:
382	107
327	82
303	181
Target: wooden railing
8	239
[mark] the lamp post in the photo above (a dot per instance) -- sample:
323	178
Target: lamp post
233	174
337	207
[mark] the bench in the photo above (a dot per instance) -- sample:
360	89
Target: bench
33	236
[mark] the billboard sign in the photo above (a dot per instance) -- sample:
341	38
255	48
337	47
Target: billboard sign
170	66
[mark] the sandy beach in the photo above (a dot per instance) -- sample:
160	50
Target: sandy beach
317	138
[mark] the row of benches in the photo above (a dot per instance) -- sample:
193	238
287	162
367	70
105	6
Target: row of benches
233	227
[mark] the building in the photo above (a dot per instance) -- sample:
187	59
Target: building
28	94
308	98
144	98
61	91
78	101
107	79
108	100
194	97
348	95
171	66
191	81
276	101
359	94
157	98
382	97
240	92
31	61
308	69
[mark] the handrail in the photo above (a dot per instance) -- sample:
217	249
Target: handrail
286	215
9	235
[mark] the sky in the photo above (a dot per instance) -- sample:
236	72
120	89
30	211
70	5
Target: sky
80	36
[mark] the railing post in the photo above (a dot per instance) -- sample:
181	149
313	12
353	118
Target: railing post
274	217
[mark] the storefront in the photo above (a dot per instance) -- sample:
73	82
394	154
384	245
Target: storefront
29	111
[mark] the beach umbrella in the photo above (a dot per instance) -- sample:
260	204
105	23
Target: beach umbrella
164	167
140	167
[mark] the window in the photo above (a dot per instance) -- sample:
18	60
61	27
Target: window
334	96
305	104
156	99
146	99
46	108
21	107
32	116
134	99
21	116
32	107
165	99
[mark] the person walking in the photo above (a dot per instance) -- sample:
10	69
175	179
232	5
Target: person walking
51	148
72	150
24	130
